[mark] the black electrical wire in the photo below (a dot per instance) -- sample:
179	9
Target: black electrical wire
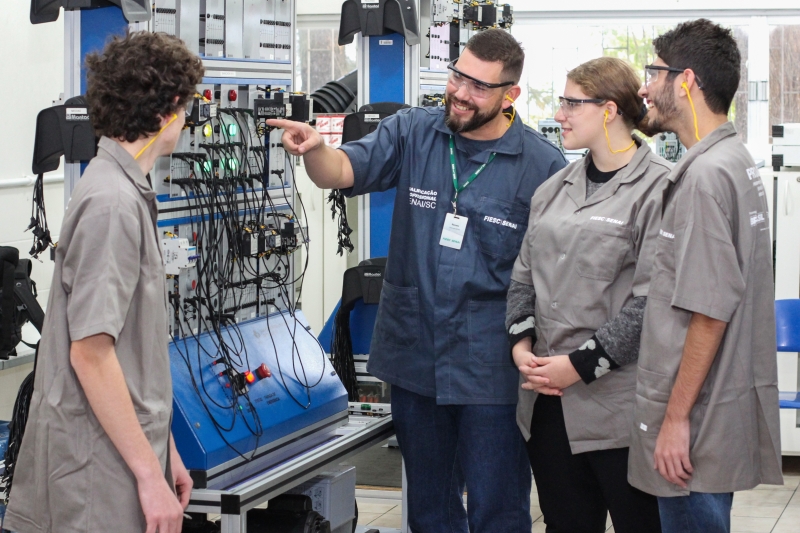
38	224
342	353
16	429
226	209
339	213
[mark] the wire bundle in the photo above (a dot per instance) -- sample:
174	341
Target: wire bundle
342	352
16	430
339	209
245	245
41	233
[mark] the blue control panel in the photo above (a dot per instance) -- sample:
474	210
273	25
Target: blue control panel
225	412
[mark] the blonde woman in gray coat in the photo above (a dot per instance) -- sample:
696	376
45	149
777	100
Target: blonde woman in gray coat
576	303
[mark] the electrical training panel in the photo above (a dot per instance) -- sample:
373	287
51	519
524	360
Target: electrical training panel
248	374
241	29
451	24
669	146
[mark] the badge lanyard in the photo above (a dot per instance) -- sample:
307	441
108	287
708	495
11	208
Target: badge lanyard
474	175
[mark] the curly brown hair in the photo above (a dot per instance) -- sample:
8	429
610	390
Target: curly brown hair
135	80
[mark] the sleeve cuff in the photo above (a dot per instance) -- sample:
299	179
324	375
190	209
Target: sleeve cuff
591	361
524	326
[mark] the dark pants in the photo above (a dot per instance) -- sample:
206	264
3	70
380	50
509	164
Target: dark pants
446	447
699	512
576	491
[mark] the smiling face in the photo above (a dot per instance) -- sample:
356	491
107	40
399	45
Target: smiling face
465	112
585	126
662	107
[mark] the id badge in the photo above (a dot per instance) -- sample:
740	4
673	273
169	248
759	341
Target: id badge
453	232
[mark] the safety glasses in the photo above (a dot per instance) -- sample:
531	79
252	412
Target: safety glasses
651	74
572	107
475	87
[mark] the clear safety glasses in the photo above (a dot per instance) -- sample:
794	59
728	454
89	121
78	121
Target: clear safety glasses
651	74
572	107
475	87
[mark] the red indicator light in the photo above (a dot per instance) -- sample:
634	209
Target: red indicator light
232	95
194	284
249	377
263	372
207	94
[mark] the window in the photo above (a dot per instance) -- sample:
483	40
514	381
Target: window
554	49
784	75
320	59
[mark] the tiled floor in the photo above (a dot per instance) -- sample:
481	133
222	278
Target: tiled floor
765	509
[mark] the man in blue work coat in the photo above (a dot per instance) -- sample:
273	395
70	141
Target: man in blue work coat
464	176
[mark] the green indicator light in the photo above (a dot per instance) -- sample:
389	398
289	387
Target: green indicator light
207	166
232	130
232	164
366	407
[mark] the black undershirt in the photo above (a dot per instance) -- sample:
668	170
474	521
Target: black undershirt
596	176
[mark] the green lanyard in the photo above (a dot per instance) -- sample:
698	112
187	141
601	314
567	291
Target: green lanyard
475	174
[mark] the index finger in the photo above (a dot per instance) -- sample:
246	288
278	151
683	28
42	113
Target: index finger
281	123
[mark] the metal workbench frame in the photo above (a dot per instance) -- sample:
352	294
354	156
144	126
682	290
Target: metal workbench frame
233	503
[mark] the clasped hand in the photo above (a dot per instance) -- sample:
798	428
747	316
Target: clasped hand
545	375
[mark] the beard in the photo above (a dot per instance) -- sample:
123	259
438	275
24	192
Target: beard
666	109
478	119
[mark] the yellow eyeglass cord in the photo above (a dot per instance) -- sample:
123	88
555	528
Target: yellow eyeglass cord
608	140
146	146
694	114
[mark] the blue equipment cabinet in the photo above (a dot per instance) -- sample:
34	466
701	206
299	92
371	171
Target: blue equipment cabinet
223	441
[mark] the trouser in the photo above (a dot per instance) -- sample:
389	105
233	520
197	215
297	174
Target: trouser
699	512
446	447
576	491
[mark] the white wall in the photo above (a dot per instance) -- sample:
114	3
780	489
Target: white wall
322	286
32	63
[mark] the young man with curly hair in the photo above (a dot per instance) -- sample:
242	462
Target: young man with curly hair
97	453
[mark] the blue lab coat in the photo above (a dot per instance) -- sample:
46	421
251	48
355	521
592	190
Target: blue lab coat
440	329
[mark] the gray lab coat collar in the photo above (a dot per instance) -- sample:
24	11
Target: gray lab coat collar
575	180
723	132
509	144
115	152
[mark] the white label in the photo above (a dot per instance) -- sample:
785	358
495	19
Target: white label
453	231
228	74
372	118
213	112
500	222
480	14
643	427
386	42
77	114
370	1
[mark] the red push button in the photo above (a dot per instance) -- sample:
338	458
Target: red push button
232	95
207	94
263	372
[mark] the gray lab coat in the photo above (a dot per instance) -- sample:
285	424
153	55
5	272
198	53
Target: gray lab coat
109	278
587	259
713	256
